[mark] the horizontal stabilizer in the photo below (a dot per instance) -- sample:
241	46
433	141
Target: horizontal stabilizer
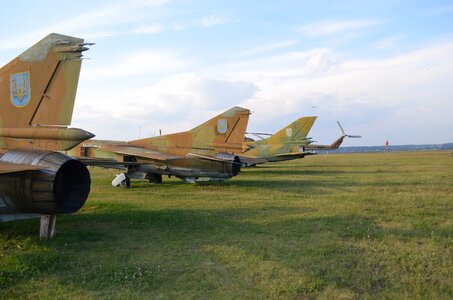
347	135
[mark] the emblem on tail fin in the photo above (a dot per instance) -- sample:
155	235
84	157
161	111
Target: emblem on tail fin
289	132
222	125
19	87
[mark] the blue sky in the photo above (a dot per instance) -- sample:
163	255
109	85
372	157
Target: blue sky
384	69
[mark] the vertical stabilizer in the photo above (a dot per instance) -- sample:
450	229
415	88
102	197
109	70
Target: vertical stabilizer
224	132
39	86
295	132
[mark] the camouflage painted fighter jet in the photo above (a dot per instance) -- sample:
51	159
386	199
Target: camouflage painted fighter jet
289	143
286	144
37	93
205	152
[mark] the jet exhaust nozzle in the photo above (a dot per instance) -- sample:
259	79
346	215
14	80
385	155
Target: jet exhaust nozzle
61	186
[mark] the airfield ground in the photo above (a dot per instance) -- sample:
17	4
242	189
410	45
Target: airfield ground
328	226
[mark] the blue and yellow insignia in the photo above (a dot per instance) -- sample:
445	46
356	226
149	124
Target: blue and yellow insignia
222	125
19	87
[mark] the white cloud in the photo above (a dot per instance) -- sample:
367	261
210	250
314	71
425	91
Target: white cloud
325	28
363	92
93	20
387	43
152	2
141	62
76	24
149	29
175	103
283	66
267	48
401	98
213	21
178	26
391	98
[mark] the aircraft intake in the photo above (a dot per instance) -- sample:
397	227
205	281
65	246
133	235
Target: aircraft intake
236	162
62	186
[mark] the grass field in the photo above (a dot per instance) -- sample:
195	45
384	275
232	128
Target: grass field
328	227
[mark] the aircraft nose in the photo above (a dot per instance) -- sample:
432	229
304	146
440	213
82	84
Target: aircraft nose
89	135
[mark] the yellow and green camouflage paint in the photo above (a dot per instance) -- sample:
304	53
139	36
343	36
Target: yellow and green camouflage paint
37	94
196	149
288	143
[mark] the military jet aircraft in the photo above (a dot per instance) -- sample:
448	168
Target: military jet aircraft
289	143
204	153
37	94
286	144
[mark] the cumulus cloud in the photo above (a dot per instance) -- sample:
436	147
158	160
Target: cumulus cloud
404	90
378	98
283	66
177	102
180	93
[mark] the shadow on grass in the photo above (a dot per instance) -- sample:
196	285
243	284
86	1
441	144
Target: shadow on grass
301	171
300	185
90	250
293	186
288	171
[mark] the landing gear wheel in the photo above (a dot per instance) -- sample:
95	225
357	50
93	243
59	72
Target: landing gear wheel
154	178
126	183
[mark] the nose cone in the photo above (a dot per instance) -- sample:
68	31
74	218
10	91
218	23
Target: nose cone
80	135
89	135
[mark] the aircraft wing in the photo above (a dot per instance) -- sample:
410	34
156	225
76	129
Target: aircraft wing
12	168
250	161
136	151
140	152
205	157
104	162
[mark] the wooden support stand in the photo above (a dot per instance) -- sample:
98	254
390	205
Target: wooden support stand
47	228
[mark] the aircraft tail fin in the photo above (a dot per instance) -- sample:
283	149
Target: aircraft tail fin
224	132
39	86
295	132
339	141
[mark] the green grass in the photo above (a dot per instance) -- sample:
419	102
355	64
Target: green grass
328	226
